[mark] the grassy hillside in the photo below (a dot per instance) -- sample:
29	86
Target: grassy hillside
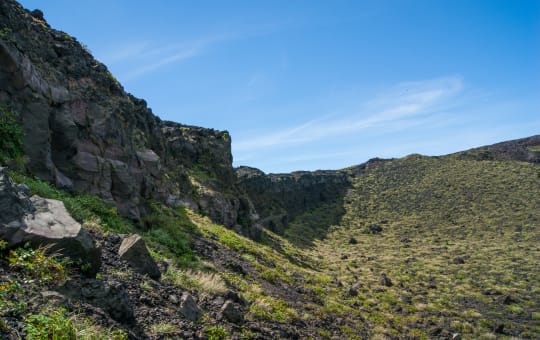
458	241
421	248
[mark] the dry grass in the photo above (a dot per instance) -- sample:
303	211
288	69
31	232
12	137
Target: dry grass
201	281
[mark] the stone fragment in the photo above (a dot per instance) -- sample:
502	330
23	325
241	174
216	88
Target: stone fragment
230	312
385	281
109	295
133	250
189	308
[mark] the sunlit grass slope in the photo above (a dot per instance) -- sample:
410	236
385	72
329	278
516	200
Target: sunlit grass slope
458	240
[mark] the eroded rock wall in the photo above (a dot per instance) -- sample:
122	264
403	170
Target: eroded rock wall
279	198
83	132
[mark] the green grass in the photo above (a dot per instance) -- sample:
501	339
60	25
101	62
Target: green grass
168	233
271	308
38	264
444	190
54	325
164	328
215	333
433	211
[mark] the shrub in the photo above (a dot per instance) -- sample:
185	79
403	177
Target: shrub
215	333
38	264
55	326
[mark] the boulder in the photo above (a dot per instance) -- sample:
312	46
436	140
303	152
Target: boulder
385	281
107	295
508	300
353	290
133	250
38	14
235	297
189	308
373	229
14	203
230	312
458	260
44	222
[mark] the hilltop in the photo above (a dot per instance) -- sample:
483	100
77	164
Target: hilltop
117	224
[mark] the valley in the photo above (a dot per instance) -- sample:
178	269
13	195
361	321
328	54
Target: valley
418	247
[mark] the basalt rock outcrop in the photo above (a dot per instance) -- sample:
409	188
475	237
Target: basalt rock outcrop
84	133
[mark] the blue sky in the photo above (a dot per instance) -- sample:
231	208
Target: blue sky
305	85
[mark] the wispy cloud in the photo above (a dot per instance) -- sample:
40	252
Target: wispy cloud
138	58
142	57
405	101
176	55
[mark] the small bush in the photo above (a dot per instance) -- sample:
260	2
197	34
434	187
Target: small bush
10	304
215	333
38	264
56	326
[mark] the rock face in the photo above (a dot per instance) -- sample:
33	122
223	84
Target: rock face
41	221
13	202
278	198
83	132
133	250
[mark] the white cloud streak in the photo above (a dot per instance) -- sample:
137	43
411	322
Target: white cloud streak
140	58
406	101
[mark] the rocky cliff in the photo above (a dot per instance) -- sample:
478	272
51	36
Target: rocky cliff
84	133
279	198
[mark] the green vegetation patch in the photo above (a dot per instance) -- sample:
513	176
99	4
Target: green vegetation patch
168	233
457	239
11	145
216	332
54	325
38	264
83	208
314	224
